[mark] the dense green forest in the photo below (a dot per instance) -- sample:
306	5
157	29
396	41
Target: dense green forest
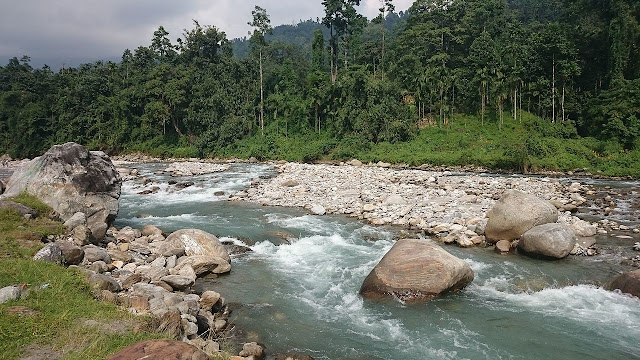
512	84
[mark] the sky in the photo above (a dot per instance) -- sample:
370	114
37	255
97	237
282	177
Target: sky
57	32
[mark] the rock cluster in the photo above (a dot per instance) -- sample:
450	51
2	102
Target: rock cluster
194	168
149	273
449	207
71	179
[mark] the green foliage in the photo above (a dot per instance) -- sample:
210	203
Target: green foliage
64	306
32	202
544	77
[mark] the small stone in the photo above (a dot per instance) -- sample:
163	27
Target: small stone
208	299
318	210
503	246
9	293
99	267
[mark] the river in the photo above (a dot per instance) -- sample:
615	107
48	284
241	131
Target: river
303	296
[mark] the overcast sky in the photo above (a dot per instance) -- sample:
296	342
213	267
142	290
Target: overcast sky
65	31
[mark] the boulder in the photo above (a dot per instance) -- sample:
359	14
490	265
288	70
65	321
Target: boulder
171	324
549	240
197	242
71	179
71	253
94	253
208	299
9	293
160	349
82	235
51	253
178	282
628	283
2	187
150	230
204	264
77	219
515	213
103	282
503	246
416	271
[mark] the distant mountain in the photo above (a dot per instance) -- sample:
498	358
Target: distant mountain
300	34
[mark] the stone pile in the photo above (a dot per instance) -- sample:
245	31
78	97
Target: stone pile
149	273
178	169
449	207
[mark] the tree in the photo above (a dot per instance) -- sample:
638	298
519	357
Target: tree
262	26
161	45
343	21
386	7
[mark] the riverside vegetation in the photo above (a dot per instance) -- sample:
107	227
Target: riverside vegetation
504	84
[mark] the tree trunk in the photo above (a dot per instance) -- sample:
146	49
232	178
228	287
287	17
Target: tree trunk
261	97
553	91
384	30
563	114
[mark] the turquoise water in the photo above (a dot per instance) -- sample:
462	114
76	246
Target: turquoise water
303	296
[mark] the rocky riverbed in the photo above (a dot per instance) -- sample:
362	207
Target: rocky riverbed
451	206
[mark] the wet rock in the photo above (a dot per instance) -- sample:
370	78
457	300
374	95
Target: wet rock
515	213
184	185
252	349
293	356
204	264
160	349
503	246
51	253
415	271
71	179
9	293
627	283
548	240
198	242
234	249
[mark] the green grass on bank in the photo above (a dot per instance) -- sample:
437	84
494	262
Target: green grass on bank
69	320
529	144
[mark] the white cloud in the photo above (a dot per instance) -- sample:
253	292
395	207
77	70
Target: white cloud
76	31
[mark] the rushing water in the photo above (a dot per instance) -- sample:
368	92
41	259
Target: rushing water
303	296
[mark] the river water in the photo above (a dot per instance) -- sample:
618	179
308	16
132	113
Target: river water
303	297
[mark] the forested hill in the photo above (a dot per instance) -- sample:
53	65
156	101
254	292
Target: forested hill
301	34
515	84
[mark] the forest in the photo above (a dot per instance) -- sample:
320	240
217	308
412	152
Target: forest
522	85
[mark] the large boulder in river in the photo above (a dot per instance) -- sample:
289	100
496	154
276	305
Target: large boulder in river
554	241
515	213
416	271
628	283
71	179
199	243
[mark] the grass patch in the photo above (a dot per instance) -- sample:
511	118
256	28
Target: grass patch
32	202
65	305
